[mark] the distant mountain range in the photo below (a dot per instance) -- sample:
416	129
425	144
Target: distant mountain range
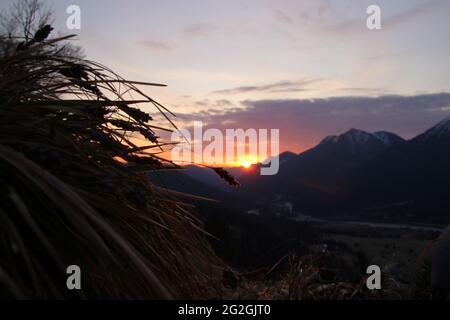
353	172
417	171
320	178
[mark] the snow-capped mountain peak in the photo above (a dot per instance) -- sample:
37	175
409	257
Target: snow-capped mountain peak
329	139
442	127
357	137
388	138
439	131
360	138
353	136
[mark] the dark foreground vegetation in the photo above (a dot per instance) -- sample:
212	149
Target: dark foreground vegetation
74	190
73	186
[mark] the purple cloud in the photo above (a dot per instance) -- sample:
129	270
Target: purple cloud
304	123
277	87
153	45
199	29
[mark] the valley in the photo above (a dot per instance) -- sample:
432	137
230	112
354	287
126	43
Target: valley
357	198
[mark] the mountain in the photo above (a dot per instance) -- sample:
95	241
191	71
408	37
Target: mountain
180	181
356	171
283	157
415	172
208	200
361	139
206	176
438	133
389	139
319	178
210	178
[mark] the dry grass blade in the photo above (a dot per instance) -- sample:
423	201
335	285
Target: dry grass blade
128	82
225	175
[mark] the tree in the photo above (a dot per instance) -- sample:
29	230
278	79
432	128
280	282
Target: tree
24	18
20	23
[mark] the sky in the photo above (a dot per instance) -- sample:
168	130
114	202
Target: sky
308	67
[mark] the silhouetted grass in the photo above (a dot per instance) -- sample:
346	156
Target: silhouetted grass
73	185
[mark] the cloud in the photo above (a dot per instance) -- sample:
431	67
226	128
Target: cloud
304	123
277	87
369	91
283	17
354	26
412	13
217	103
224	103
199	29
325	7
153	45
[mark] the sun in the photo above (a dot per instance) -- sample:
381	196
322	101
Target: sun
246	164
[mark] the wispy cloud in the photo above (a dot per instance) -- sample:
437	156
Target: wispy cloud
369	91
352	26
413	12
282	17
153	45
199	29
217	103
277	87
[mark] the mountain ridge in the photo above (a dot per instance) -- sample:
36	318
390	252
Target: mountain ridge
358	169
353	171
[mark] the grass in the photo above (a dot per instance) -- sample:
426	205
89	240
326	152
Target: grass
74	187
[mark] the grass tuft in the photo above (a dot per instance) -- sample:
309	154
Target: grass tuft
74	189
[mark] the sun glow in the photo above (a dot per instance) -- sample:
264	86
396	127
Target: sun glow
248	161
246	164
